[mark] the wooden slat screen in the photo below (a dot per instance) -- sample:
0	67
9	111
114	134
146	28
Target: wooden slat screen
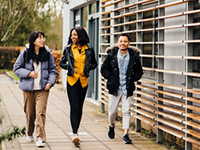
169	107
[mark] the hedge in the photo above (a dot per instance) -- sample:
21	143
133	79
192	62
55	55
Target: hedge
57	57
8	56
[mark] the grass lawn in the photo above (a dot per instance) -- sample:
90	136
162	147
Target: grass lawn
10	73
13	75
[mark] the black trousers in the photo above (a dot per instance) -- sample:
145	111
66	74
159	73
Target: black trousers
76	95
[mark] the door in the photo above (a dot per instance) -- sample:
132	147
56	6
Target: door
94	42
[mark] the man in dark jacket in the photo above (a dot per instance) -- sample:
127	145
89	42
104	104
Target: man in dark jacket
121	68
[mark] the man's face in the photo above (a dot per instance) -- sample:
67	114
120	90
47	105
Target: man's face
123	43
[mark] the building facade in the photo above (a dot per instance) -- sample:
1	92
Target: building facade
168	34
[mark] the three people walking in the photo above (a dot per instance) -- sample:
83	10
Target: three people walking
37	72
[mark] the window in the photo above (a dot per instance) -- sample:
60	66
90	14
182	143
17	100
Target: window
93	8
196	46
107	23
77	17
119	21
97	6
150	36
84	16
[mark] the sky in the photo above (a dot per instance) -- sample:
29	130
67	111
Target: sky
58	5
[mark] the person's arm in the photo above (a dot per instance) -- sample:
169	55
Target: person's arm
138	71
93	63
19	67
47	86
63	63
52	72
106	68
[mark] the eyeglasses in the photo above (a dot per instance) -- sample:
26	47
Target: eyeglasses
41	38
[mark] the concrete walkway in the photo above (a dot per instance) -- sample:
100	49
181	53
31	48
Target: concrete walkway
93	129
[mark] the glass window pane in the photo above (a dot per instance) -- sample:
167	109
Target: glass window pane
97	6
77	17
85	16
93	11
149	36
196	46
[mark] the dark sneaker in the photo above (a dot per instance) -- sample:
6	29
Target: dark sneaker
126	139
111	132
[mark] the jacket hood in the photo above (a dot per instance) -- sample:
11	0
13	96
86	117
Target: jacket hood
108	49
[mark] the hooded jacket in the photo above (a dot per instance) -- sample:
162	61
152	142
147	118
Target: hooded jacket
110	70
67	60
22	70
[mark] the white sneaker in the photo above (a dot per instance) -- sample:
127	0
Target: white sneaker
30	138
39	143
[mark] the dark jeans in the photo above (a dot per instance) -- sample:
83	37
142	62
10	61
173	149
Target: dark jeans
76	95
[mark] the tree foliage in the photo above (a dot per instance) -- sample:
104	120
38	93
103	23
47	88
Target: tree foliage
18	18
13	12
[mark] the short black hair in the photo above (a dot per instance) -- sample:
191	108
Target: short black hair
83	37
124	34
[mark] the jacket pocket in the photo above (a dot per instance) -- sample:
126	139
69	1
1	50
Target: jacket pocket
111	83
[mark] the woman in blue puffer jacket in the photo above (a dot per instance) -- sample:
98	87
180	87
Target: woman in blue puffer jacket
36	69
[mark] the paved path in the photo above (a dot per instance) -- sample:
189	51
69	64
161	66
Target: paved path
93	130
4	79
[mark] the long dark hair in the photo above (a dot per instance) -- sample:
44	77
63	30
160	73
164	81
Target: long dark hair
42	56
83	37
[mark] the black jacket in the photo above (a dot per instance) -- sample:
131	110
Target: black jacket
110	70
67	60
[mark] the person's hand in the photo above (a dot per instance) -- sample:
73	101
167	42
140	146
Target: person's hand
47	87
33	74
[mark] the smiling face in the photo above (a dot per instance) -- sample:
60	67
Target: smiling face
74	36
39	42
123	43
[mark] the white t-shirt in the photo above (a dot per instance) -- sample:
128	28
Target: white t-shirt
37	81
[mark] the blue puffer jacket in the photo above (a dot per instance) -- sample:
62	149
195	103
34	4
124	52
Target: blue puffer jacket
22	70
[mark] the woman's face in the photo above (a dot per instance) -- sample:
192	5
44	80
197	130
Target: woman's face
39	42
74	36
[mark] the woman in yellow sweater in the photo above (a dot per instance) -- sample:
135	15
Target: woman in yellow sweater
78	58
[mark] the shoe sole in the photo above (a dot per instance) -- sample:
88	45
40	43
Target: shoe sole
127	142
30	141
40	145
111	137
